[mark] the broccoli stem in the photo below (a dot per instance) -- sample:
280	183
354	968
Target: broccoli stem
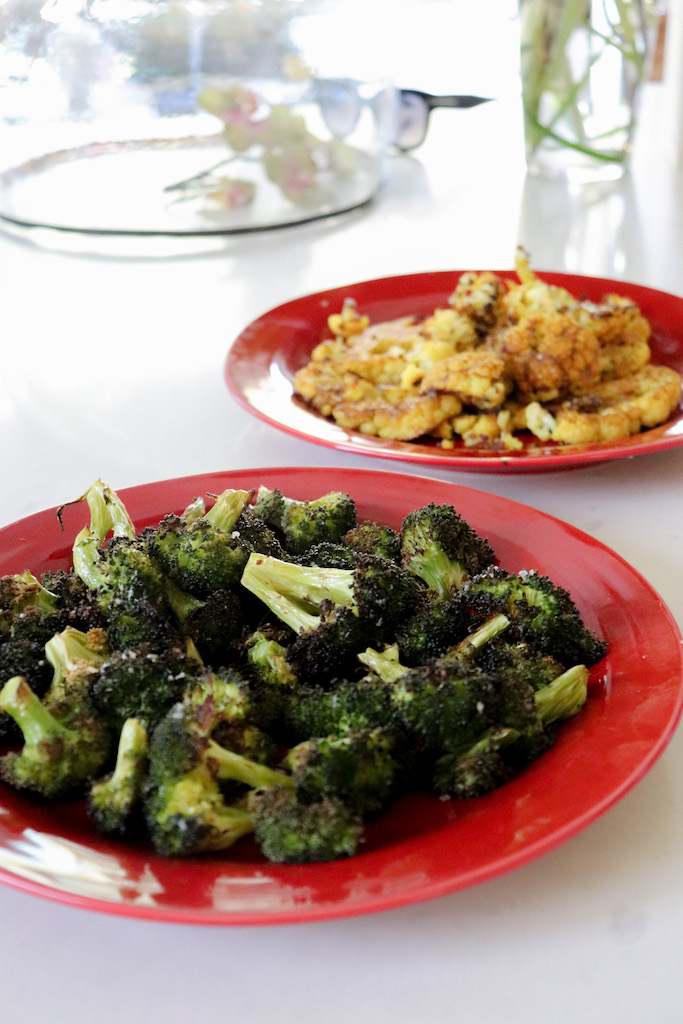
564	697
33	718
73	647
227	509
236	768
132	749
295	593
385	664
486	632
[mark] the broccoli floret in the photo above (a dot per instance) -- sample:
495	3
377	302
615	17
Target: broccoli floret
305	523
289	831
76	658
479	770
441	548
357	768
214	624
503	750
140	682
541	614
348	704
436	624
370	538
129	589
274	683
22	656
335	612
327	555
23	594
113	803
59	755
185	808
445	704
210	552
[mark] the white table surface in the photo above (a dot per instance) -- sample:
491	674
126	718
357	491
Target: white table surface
113	367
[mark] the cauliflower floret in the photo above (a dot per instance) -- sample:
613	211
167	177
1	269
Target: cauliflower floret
477	378
451	327
532	295
549	356
396	414
480	298
623	334
617	409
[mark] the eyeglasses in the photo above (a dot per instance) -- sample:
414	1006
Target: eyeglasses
341	101
414	110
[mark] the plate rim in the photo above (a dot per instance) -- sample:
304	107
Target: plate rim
444	885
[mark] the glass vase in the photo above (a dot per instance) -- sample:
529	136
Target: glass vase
582	63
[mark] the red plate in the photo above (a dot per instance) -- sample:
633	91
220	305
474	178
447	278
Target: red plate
262	362
424	847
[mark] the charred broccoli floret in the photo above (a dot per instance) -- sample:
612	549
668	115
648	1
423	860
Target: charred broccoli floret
541	613
23	596
334	612
214	624
114	802
358	768
305	523
441	548
289	831
140	682
59	755
185	808
502	750
436	624
274	682
371	538
209	552
349	704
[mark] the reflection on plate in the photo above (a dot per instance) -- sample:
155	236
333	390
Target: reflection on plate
424	847
262	362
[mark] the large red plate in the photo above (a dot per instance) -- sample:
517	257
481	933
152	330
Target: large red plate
424	847
263	359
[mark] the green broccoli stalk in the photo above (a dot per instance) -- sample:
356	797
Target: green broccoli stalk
564	697
305	523
289	831
58	755
186	810
334	612
441	548
113	802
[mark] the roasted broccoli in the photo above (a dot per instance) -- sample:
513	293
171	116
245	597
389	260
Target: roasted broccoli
289	831
371	538
140	682
114	802
335	612
209	552
541	613
186	810
214	624
305	523
441	548
358	768
59	755
503	750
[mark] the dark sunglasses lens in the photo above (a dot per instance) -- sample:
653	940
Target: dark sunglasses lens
411	121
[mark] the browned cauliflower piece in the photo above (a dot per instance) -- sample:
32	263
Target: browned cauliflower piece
479	296
396	414
451	327
549	356
623	334
478	378
619	408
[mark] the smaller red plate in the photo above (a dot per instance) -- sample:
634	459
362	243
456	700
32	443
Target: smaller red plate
263	359
424	847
